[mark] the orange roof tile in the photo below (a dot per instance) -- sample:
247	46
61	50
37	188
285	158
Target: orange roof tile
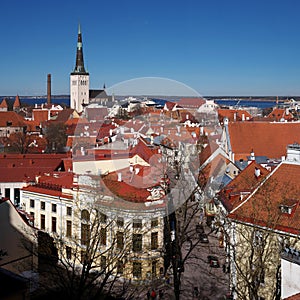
17	102
12	118
245	182
263	206
233	114
266	139
3	104
280	113
191	103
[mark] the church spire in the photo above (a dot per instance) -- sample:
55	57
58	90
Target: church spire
79	68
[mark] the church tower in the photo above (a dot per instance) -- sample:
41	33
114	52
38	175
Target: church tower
79	80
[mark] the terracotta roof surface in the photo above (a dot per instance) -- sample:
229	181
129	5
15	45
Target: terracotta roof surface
244	183
191	103
11	118
19	167
3	104
266	139
233	114
294	297
263	207
17	102
280	113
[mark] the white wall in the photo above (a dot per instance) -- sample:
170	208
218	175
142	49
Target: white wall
290	275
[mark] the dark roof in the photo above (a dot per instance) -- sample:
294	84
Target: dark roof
97	93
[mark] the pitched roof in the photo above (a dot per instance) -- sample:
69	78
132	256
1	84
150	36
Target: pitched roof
191	103
17	102
96	113
266	139
294	297
277	114
3	103
233	114
242	184
263	206
25	167
11	118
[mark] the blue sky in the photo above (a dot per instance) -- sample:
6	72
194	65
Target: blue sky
233	47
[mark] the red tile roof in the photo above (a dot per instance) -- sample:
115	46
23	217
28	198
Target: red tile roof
25	167
11	117
17	102
233	114
280	113
244	183
191	103
294	297
263	206
266	139
40	115
3	104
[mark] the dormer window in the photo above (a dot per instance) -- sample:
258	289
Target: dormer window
288	207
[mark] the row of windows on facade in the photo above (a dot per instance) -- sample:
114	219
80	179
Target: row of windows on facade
80	82
53	207
136	266
85	215
137	239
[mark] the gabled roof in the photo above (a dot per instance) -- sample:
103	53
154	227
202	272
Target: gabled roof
143	150
67	114
96	113
170	105
25	167
263	206
233	114
242	184
191	103
264	138
277	114
11	118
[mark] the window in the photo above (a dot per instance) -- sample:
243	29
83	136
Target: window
103	236
32	217
85	234
17	196
154	268
103	218
137	224
120	222
69	211
154	240
31	203
103	262
68	252
137	269
85	215
120	267
53	224
43	205
54	208
154	223
69	229
120	240
137	241
42	221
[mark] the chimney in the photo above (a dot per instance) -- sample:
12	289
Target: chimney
119	177
257	172
49	89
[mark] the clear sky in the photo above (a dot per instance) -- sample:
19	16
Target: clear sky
217	47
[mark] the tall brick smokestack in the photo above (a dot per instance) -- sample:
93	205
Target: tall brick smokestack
49	89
